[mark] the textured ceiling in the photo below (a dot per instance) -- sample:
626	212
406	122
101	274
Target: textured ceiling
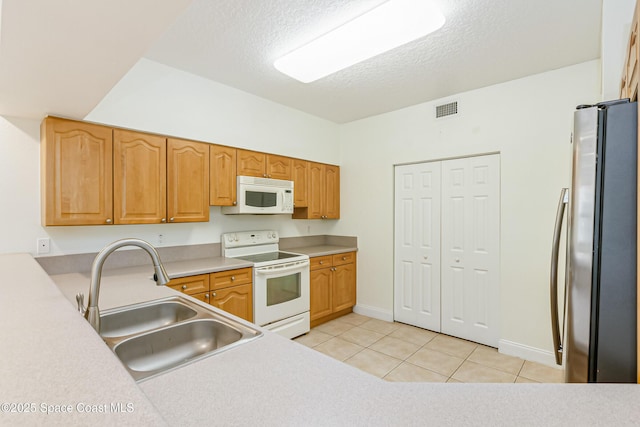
483	42
62	57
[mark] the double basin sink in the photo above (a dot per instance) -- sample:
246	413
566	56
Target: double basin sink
161	335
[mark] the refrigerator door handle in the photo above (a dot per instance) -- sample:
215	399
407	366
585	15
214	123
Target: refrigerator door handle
553	285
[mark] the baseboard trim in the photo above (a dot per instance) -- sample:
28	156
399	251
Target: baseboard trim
526	352
374	312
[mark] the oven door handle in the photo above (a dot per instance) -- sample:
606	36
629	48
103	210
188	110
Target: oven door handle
277	269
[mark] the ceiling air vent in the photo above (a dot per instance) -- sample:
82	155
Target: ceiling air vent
446	109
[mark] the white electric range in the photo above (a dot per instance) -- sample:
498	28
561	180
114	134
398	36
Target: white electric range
280	281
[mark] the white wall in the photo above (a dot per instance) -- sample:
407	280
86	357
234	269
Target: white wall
157	98
616	27
19	185
529	121
160	99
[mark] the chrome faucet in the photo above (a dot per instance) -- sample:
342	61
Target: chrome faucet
92	313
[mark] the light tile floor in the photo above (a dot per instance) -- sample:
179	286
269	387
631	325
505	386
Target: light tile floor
399	352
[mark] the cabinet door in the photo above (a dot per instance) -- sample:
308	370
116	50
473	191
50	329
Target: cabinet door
203	296
344	287
76	173
278	167
237	300
300	177
320	293
222	163
139	178
187	181
332	195
317	191
191	285
251	163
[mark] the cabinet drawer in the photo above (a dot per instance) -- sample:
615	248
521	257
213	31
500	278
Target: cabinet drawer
345	258
224	279
319	262
191	284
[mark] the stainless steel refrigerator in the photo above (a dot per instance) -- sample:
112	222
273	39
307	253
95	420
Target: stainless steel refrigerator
600	278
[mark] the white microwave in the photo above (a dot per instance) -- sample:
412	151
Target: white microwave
262	196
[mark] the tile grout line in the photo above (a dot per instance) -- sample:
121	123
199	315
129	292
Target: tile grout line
423	346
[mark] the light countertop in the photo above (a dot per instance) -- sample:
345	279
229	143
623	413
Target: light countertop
322	250
51	355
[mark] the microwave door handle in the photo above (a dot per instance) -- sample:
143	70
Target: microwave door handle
279	271
553	282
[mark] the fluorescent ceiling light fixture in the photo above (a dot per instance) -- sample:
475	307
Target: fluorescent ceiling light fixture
392	24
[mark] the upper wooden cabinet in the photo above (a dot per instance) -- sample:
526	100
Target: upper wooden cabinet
94	174
300	178
222	182
253	163
76	163
332	195
187	181
323	193
278	167
139	178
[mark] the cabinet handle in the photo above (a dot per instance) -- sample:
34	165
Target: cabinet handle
184	287
344	258
108	221
171	219
213	294
163	220
264	175
233	278
235	203
206	296
321	262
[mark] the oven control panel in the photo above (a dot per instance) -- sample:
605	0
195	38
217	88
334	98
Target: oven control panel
249	238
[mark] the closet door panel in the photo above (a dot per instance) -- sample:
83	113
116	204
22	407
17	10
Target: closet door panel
470	248
417	244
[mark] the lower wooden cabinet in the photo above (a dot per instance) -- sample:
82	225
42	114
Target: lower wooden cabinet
231	290
333	286
236	300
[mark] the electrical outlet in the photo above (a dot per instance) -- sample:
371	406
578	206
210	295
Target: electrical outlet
44	246
160	239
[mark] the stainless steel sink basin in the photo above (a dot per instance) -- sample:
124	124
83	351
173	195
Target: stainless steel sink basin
126	321
155	337
166	348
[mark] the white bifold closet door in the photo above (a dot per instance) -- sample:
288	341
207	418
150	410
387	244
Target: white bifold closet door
459	278
417	245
